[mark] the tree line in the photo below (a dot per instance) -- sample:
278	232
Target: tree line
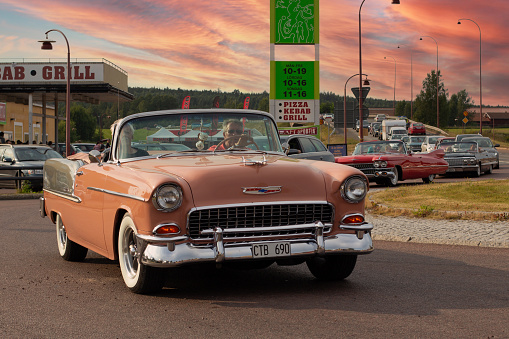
88	121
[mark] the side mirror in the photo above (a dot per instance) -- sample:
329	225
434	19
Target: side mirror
7	159
496	145
94	156
286	147
292	151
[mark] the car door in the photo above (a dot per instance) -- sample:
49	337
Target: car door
306	148
6	160
324	153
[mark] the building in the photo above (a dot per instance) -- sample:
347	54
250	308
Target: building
14	122
497	117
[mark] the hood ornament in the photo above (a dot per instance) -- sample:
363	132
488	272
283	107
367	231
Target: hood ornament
249	162
261	190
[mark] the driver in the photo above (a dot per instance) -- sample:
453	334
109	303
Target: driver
233	132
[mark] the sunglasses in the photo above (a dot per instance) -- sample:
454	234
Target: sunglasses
235	131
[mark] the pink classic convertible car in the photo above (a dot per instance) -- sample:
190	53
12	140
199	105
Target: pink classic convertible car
215	186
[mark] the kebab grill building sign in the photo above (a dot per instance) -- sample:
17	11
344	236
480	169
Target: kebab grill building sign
48	72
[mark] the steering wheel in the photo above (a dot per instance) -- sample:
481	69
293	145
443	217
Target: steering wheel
244	140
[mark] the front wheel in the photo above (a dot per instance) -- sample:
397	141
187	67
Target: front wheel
337	267
138	278
391	182
68	249
489	170
429	178
477	173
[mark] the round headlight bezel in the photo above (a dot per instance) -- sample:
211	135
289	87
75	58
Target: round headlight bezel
158	196
347	192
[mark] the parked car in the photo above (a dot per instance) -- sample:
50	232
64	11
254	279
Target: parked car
467	157
486	144
83	146
380	117
415	143
387	162
32	157
227	204
417	128
428	144
302	146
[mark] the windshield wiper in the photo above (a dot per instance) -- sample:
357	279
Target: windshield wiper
179	152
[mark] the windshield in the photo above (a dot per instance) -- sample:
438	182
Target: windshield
417	139
195	132
379	147
458	147
35	153
482	142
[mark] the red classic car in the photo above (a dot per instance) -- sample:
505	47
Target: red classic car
417	128
387	162
230	197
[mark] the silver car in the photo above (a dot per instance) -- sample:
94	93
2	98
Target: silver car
30	156
486	144
306	147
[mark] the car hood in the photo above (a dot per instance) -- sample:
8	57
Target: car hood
221	178
29	163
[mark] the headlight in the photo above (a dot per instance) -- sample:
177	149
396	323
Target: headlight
167	198
354	189
380	163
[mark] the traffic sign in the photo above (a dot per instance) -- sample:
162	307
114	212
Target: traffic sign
365	91
465	113
465	120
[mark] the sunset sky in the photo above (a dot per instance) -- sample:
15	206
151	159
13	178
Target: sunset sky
224	45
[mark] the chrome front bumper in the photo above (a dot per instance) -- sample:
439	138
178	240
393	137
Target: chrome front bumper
177	251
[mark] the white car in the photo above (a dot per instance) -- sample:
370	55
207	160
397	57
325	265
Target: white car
380	117
429	143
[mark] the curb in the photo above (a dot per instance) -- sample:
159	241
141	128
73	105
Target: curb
20	196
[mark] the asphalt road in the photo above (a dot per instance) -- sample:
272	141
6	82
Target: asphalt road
401	290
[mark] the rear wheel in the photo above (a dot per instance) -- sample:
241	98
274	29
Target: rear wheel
336	267
68	249
429	178
138	277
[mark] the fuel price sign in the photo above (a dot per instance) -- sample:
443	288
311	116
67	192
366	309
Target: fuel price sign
294	80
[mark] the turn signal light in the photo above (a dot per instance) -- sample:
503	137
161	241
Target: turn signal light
354	219
167	229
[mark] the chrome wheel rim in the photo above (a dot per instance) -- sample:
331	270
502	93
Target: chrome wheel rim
130	261
61	235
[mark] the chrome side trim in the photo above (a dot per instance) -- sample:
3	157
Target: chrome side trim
360	227
42	207
123	195
70	197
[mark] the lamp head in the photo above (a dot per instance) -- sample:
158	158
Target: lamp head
420	38
395	2
385	58
366	82
459	22
47	44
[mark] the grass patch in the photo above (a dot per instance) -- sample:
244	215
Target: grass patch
464	200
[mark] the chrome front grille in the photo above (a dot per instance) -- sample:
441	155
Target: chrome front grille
362	166
265	218
460	161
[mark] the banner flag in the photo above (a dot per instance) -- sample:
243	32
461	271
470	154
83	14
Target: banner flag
185	102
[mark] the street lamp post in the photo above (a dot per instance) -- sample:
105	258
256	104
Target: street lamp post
47	45
480	74
438	82
344	104
394	100
411	84
361	133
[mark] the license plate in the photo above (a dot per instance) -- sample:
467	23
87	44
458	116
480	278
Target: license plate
269	250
